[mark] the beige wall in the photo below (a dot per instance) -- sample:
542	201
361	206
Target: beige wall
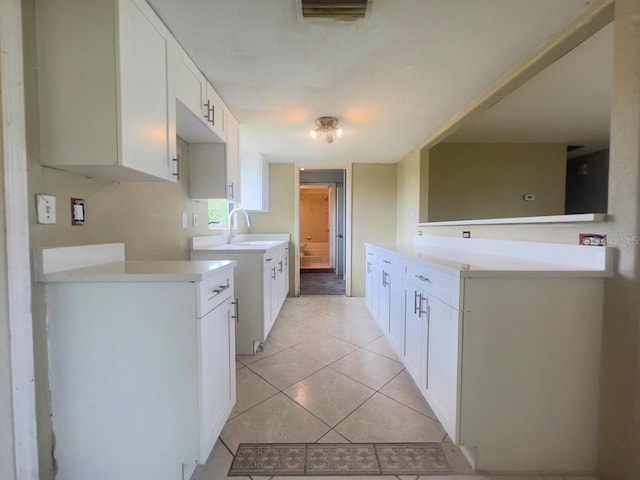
373	214
408	201
281	214
484	180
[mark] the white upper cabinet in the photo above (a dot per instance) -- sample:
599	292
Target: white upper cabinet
103	89
214	168
216	113
188	93
254	178
233	157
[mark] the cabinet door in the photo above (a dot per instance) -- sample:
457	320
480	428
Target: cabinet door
233	158
443	363
415	338
207	173
275	301
216	113
282	283
267	300
217	374
384	299
371	286
286	276
144	140
396	300
190	85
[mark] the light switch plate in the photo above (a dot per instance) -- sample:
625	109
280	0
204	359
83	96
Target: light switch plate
46	208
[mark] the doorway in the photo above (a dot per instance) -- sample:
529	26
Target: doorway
321	232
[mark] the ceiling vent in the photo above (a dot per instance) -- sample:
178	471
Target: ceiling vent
348	10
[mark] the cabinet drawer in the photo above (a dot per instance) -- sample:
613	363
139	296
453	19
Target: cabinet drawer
213	291
441	285
273	257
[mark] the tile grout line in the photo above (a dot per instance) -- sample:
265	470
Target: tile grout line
325	365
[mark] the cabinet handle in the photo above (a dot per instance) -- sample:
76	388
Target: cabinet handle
176	167
218	290
213	115
387	262
286	261
273	275
269	259
368	267
231	190
280	266
385	283
415	302
424	279
427	310
237	315
208	107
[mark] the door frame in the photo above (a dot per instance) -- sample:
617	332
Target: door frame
347	167
15	267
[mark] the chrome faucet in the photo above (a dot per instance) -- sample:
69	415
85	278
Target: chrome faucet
246	215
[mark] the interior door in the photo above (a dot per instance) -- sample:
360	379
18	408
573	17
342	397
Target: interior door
340	228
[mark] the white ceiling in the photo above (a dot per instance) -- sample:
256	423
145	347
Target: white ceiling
391	80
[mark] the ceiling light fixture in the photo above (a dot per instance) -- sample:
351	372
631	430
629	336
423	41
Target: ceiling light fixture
327	126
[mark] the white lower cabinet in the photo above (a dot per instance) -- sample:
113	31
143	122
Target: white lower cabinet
416	335
442	376
276	285
261	285
217	372
142	374
507	358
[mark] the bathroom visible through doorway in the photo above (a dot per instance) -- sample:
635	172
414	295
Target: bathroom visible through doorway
322	219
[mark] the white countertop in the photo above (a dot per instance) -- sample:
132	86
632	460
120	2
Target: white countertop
477	264
242	247
140	271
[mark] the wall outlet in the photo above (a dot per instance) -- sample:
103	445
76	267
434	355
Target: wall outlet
78	214
466	234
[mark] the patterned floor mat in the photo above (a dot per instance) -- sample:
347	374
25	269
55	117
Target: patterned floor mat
340	459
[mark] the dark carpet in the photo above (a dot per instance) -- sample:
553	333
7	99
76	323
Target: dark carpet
321	283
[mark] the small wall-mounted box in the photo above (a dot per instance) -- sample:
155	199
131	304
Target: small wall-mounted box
46	209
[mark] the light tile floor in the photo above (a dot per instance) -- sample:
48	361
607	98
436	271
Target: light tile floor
327	374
